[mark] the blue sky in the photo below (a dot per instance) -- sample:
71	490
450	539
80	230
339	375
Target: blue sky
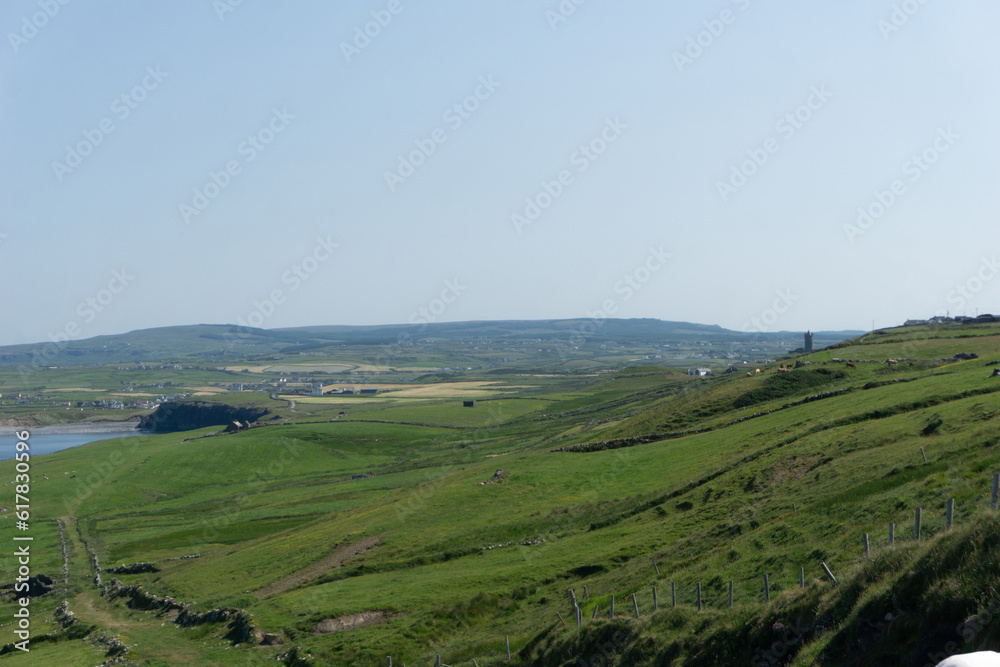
270	163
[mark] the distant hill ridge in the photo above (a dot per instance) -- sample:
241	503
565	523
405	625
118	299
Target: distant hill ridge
208	340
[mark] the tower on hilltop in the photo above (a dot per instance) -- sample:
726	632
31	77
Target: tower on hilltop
809	341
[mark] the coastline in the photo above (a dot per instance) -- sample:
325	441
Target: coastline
70	429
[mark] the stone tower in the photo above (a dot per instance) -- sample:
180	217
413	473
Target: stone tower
809	341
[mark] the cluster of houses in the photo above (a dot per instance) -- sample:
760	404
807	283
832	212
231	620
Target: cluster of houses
319	390
107	404
985	318
307	387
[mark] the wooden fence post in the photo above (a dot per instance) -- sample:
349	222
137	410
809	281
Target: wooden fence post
388	661
673	595
655	567
923	455
612	613
916	525
579	616
561	618
866	545
996	487
656	604
730	593
828	573
767	590
635	604
892	533
699	596
586	593
437	660
949	514
594	615
506	639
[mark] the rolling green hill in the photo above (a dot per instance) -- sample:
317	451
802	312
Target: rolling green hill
413	527
231	342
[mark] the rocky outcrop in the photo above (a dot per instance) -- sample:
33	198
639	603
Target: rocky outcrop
64	616
240	625
136	597
39	585
497	477
173	417
134	568
295	657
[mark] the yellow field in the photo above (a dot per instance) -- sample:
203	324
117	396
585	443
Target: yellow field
419	369
297	368
333	400
451	390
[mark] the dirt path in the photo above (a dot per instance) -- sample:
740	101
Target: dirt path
319	568
87	609
349	622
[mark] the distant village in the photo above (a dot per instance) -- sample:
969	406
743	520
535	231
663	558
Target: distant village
293	385
958	319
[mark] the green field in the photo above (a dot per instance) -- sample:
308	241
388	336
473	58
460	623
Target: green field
380	505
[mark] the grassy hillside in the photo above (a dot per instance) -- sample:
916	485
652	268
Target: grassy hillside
391	518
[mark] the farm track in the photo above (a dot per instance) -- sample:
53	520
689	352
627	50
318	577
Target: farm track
319	568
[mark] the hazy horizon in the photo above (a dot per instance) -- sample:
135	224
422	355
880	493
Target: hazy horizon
752	165
406	325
